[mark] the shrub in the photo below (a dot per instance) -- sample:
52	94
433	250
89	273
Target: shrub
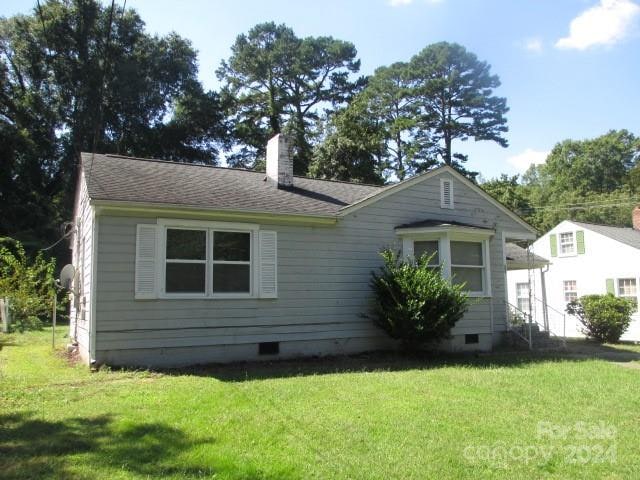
28	284
604	317
414	303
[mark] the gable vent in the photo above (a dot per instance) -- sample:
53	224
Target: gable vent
446	193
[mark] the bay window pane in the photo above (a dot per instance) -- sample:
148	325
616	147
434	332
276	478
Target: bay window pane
185	277
428	248
231	278
471	277
232	246
186	244
466	253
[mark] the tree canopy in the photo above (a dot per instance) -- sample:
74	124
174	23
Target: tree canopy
81	76
276	82
592	180
420	107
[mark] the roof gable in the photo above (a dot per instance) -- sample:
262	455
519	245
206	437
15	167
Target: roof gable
398	187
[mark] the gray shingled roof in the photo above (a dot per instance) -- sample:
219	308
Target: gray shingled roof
116	178
625	235
518	257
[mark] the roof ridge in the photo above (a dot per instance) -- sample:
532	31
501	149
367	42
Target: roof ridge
603	225
194	164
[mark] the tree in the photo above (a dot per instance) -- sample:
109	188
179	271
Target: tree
390	100
277	82
588	180
455	95
351	149
598	165
81	76
509	192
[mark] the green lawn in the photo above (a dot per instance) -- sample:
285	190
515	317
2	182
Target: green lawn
368	417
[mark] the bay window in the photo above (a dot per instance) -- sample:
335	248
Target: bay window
461	252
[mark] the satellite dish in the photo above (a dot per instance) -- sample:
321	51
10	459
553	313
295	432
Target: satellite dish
66	276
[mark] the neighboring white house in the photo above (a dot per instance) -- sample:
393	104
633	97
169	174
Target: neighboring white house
584	259
181	263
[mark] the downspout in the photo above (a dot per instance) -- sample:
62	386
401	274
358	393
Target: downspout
543	287
92	298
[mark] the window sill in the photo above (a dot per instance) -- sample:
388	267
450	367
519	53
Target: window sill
231	296
479	295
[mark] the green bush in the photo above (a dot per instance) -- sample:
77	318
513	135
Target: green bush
413	303
604	317
28	284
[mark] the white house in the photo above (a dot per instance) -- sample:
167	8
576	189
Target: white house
181	263
583	259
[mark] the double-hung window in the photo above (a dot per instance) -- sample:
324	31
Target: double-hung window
231	262
468	266
428	249
522	297
567	244
627	289
570	289
207	262
186	261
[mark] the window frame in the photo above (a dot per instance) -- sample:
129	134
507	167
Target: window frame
574	249
527	298
444	238
481	267
210	228
565	290
621	295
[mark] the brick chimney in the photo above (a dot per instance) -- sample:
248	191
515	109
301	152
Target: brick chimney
279	161
635	218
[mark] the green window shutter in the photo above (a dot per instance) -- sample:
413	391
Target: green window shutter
610	286
580	241
553	238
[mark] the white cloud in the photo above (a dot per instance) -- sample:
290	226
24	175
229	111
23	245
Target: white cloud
524	160
533	45
605	24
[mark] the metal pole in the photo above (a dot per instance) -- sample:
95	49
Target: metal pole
53	330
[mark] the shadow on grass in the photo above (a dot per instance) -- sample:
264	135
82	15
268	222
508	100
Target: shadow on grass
33	448
394	361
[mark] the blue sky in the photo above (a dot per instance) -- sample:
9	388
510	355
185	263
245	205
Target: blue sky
569	68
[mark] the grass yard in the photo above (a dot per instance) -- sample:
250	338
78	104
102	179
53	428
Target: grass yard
367	417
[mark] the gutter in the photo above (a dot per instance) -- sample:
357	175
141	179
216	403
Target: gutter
105	207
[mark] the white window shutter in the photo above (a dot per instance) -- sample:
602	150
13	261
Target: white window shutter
446	193
146	255
268	264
